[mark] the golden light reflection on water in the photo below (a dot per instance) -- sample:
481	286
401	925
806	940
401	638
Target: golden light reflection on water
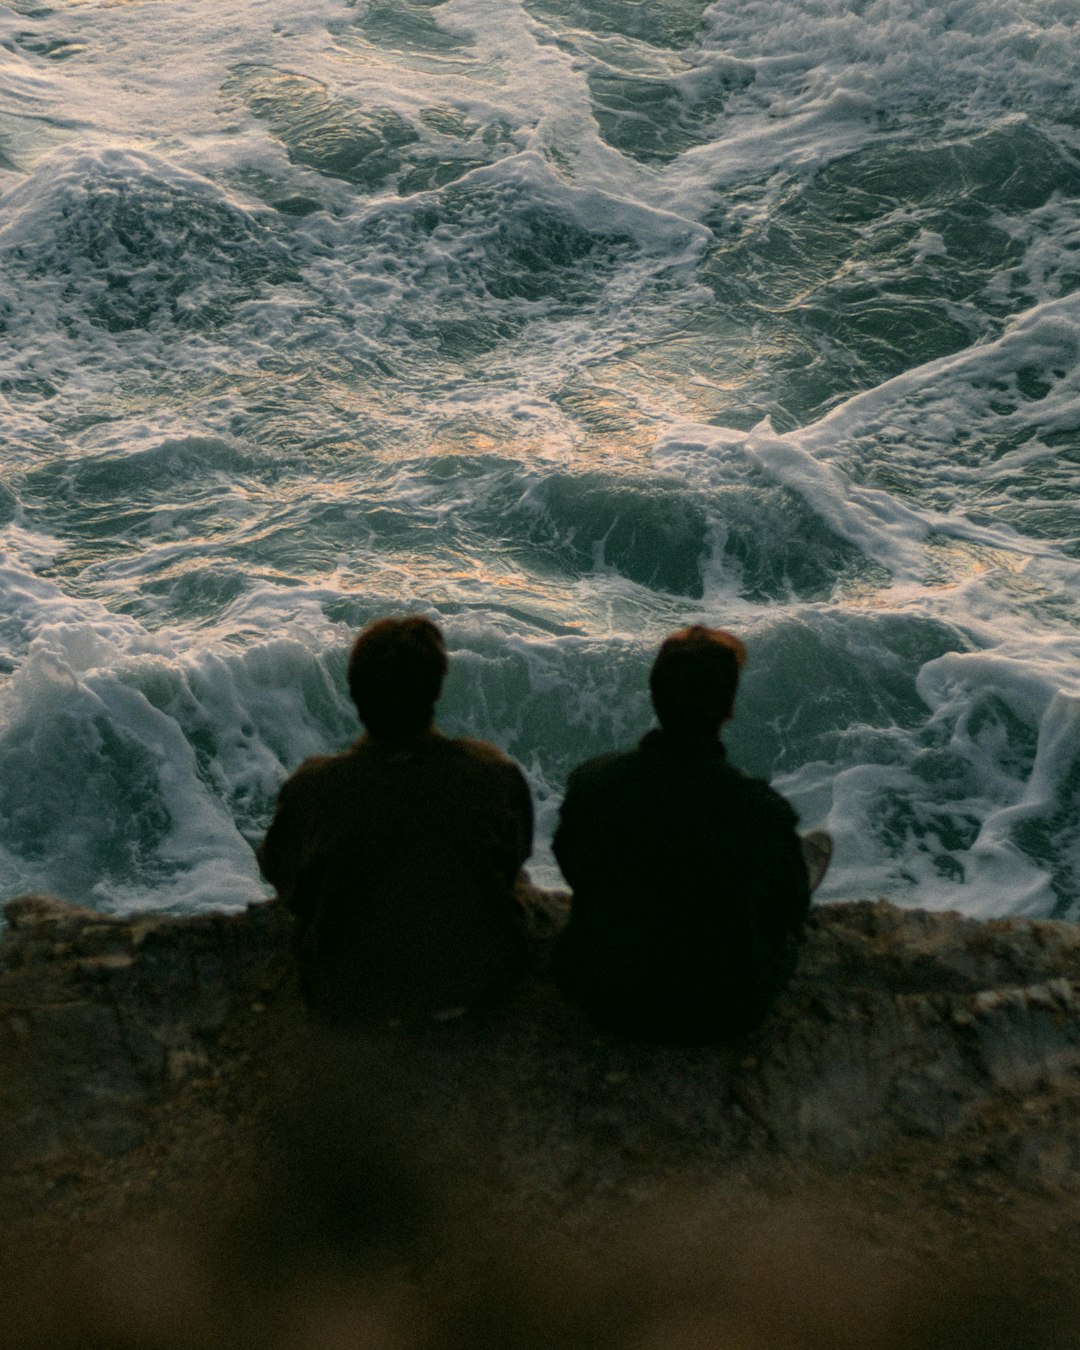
596	422
24	140
466	583
352	46
703	370
952	561
332	413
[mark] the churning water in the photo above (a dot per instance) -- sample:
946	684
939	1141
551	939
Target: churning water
565	322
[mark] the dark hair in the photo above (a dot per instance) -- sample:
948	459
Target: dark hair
396	670
694	678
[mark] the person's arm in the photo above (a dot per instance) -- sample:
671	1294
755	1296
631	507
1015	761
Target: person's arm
787	885
566	843
523	817
286	851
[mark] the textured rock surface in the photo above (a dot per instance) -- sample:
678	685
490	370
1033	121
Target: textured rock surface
185	1161
900	1026
100	1017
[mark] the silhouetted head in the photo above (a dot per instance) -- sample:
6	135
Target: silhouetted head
396	671
694	678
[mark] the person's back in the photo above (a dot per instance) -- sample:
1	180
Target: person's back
689	884
398	856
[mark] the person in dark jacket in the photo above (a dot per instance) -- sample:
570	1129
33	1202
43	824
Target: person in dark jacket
689	882
398	856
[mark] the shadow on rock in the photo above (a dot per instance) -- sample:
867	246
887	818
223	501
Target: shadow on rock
353	1228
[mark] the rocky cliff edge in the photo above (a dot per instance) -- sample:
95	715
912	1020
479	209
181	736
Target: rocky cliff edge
900	1026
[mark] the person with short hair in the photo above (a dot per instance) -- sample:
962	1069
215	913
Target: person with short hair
690	886
399	856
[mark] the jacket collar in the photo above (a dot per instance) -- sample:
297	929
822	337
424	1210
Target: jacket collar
661	742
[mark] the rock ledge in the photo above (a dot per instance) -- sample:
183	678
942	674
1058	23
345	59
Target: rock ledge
901	1025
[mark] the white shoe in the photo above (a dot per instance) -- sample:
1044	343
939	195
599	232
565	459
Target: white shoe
817	851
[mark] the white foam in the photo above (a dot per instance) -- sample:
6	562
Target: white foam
343	367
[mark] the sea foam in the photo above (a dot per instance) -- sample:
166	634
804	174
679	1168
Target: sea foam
565	323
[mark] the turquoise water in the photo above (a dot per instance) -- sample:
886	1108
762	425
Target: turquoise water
566	322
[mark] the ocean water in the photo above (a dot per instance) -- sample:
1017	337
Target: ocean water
565	322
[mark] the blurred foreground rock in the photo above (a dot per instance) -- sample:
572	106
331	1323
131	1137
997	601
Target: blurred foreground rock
901	1026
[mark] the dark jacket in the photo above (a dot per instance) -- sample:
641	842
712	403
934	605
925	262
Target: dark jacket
690	890
398	862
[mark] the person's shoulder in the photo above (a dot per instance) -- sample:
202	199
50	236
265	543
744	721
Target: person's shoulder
471	747
763	799
315	766
602	768
481	753
316	771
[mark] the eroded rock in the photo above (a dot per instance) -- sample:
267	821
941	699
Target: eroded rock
900	1025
